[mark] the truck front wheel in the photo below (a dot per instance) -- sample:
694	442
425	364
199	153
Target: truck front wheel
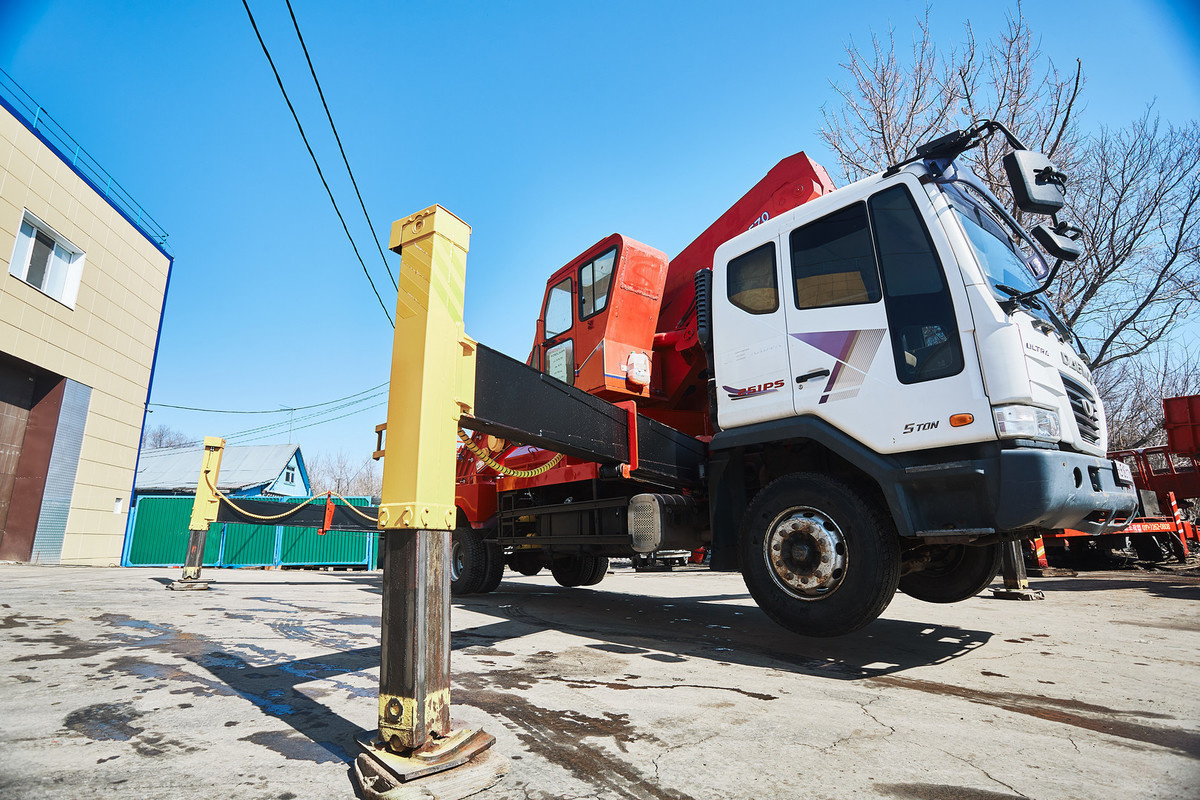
955	572
818	556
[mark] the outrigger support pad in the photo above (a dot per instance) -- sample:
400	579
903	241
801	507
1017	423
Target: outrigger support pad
1016	581
384	775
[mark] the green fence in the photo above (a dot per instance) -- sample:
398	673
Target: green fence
158	537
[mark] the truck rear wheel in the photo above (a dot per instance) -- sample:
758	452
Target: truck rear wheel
957	572
1147	547
468	561
493	571
584	570
598	571
819	557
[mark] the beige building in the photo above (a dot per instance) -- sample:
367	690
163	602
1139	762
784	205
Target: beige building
83	277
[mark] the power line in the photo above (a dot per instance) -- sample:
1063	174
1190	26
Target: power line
316	164
314	424
269	410
267	431
273	428
280	425
342	150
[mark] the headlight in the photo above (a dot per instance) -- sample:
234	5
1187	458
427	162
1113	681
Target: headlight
1026	422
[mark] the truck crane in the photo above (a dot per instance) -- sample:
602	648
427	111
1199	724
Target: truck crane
881	393
842	391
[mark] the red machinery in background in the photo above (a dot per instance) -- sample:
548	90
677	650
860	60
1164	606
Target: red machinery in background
1181	418
1165	476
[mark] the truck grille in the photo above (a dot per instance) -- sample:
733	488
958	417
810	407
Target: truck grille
1086	410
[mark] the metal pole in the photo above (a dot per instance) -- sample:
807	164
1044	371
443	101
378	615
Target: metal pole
432	385
204	513
414	670
1016	582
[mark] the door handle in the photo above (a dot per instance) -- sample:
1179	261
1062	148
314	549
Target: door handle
818	373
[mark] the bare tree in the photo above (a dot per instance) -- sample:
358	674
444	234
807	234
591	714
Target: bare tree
1138	202
896	104
1135	191
161	436
1135	414
344	474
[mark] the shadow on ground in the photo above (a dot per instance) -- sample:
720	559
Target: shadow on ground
719	627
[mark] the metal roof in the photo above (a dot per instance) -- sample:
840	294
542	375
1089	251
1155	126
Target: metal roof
241	467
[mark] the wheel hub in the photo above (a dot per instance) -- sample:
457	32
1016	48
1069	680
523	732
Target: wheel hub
806	553
456	561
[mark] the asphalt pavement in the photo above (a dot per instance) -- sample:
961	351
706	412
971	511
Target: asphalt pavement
652	686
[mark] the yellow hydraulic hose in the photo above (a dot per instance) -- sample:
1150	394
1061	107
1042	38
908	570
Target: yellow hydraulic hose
483	456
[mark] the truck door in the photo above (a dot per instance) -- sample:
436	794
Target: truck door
875	346
558	346
750	332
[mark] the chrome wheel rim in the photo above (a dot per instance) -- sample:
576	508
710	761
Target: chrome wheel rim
456	560
805	552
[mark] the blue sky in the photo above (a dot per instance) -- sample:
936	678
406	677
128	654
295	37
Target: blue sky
546	126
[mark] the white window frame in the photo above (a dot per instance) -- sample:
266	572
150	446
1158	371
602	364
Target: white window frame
18	265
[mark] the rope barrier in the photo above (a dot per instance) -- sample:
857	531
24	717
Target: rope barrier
367	517
273	517
483	456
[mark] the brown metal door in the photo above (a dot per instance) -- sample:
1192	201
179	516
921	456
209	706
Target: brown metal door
16	398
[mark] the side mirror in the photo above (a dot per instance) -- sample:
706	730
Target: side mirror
1037	186
1061	241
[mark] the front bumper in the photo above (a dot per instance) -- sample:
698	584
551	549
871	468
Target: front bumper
1055	489
978	489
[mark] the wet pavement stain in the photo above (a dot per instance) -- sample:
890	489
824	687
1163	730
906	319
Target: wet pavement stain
558	736
155	744
371	621
297	747
1087	716
935	791
577	683
522	679
478	650
105	722
70	647
1170	625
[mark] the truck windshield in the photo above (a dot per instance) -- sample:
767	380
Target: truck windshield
1007	262
1012	267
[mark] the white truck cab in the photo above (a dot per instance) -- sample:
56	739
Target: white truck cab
882	355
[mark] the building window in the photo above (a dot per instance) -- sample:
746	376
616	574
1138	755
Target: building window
289	475
47	261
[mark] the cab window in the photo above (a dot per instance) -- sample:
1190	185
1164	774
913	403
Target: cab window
558	309
833	261
750	281
920	311
560	361
595	277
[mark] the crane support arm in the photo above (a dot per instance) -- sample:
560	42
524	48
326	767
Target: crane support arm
523	404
